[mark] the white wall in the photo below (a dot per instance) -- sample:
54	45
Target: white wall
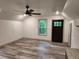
10	31
31	28
66	31
14	30
75	35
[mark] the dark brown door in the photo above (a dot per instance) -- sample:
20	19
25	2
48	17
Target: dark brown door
57	31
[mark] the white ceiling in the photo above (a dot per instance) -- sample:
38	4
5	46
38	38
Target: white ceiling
72	9
12	8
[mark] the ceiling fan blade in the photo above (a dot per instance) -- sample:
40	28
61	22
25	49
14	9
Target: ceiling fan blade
36	13
30	14
31	10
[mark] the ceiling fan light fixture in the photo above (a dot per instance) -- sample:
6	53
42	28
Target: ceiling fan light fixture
27	6
24	14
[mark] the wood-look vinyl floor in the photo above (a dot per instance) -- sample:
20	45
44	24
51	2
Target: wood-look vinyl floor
32	49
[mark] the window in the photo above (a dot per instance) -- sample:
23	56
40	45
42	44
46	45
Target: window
42	27
57	24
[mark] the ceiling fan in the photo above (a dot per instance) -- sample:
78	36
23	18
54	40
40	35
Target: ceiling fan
30	11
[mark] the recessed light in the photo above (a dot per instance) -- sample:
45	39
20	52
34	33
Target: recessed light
57	12
0	10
